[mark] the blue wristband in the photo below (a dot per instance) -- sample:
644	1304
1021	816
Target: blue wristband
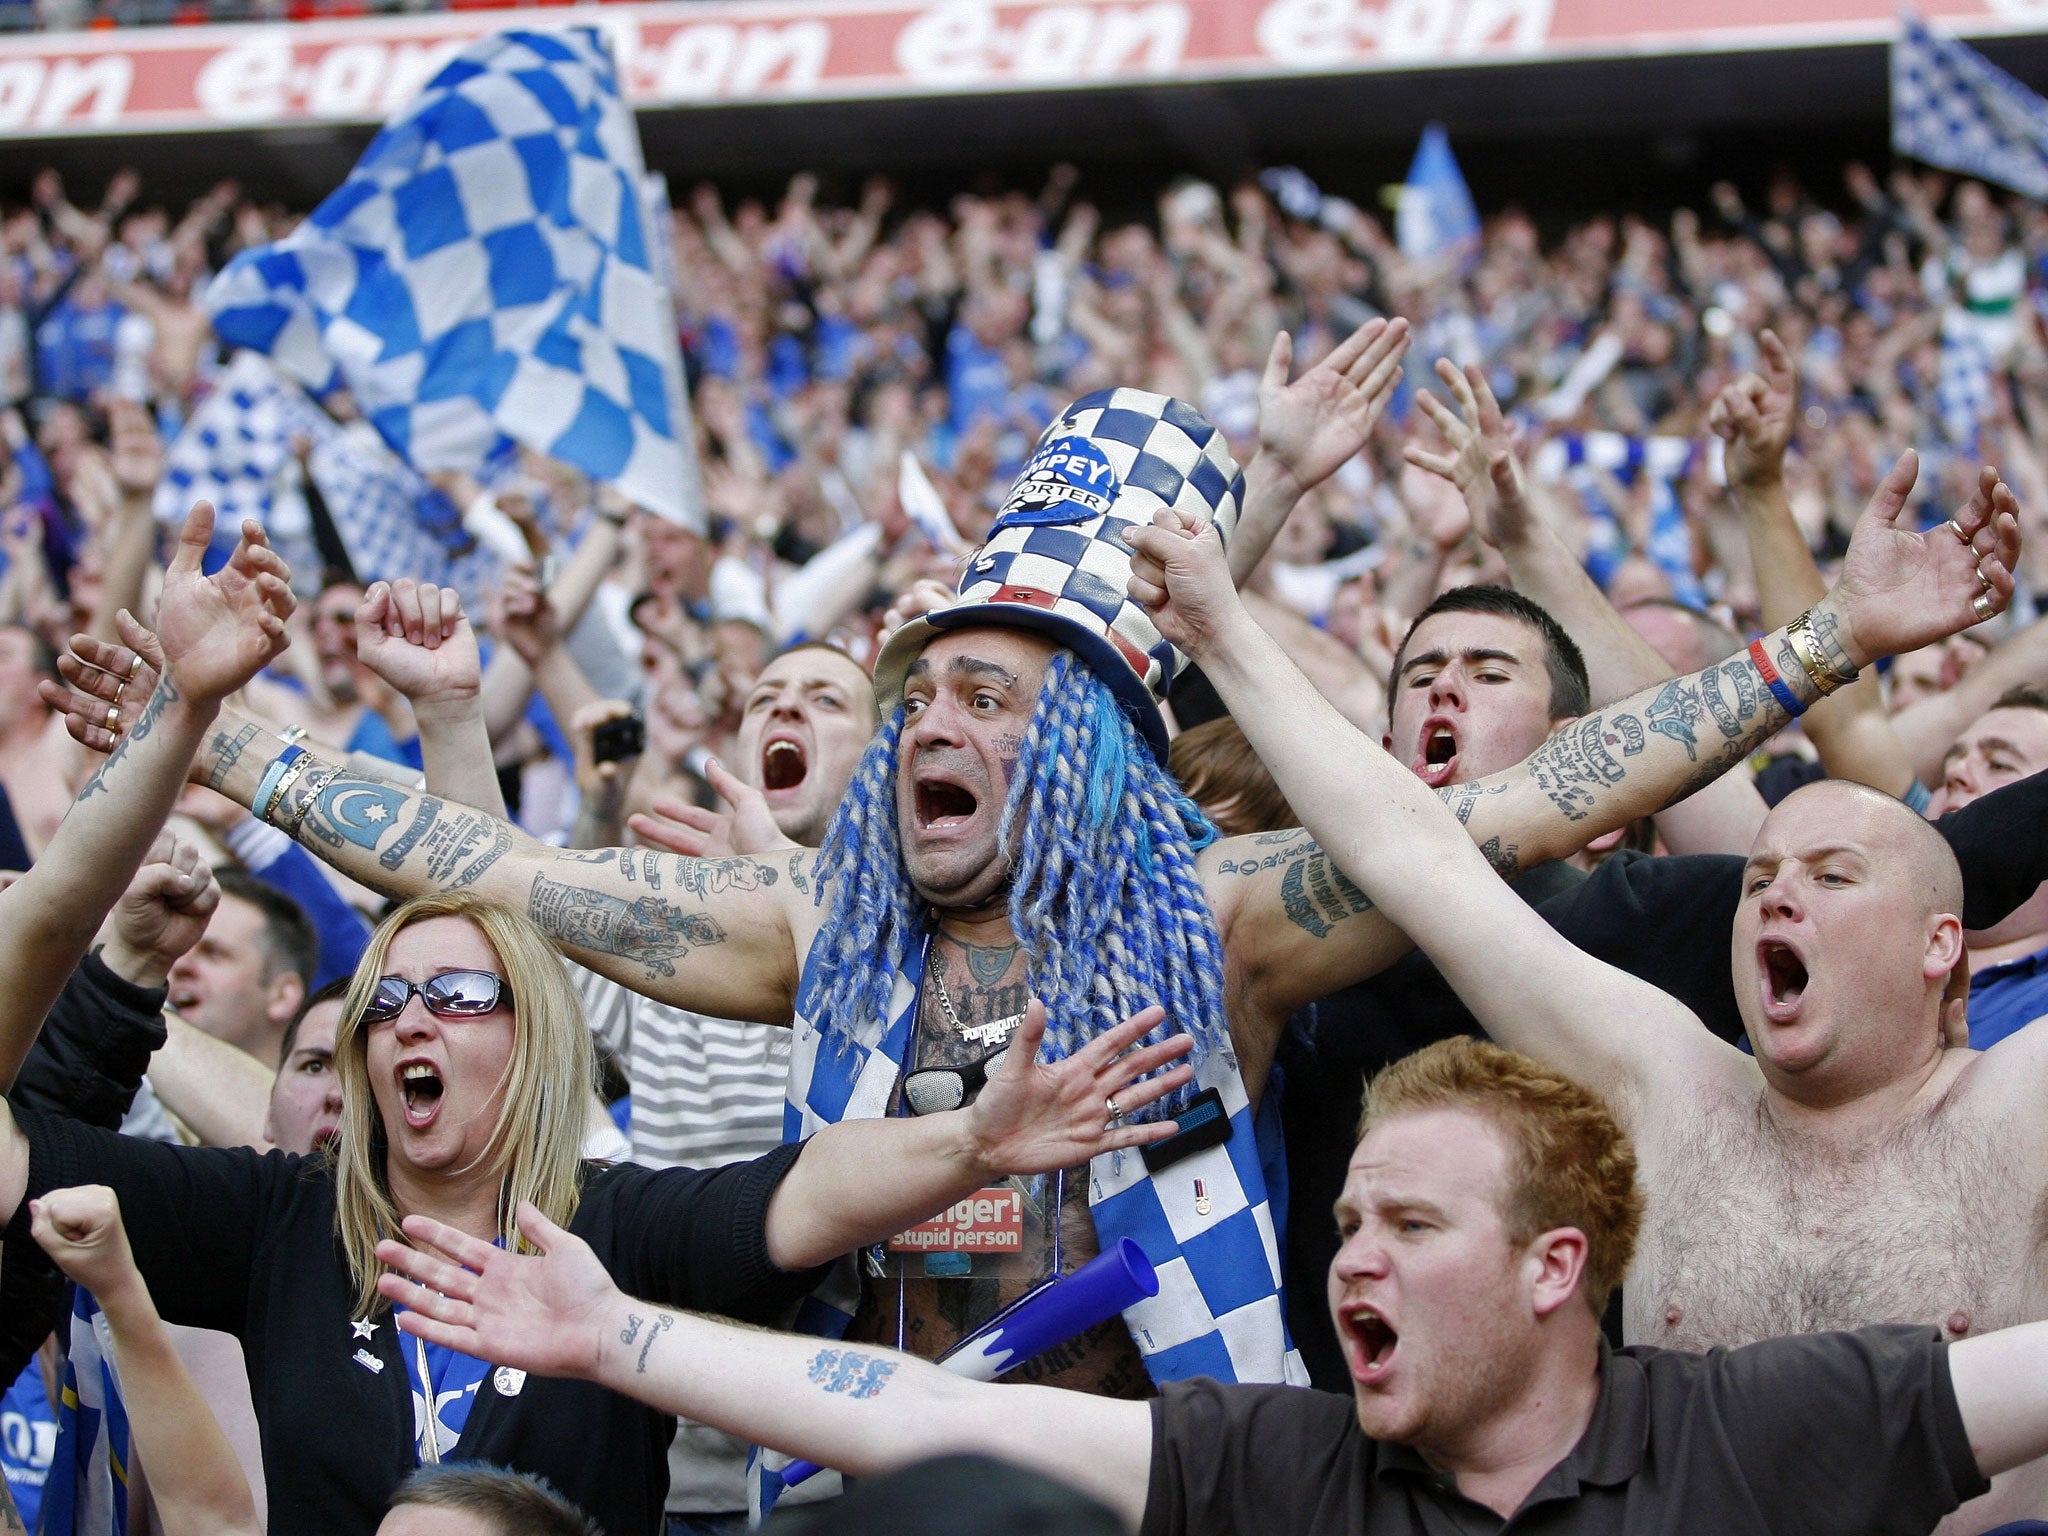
1784	695
266	791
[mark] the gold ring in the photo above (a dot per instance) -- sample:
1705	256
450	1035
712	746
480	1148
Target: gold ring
114	719
1954	527
135	666
1982	605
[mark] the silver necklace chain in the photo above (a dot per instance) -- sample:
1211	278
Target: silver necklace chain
980	1034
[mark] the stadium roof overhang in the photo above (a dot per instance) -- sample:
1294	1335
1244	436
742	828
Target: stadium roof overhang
752	89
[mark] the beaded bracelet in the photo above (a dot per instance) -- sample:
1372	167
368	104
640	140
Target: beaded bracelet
273	776
1784	695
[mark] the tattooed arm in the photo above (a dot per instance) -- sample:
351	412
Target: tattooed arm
642	917
218	631
857	1408
1383	827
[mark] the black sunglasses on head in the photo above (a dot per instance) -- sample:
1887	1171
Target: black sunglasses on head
451	995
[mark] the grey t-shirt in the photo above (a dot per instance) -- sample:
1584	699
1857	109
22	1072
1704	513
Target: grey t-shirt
1856	1433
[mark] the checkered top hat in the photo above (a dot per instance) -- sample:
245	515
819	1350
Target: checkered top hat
1055	561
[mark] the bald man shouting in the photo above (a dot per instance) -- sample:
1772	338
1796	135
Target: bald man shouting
1856	1170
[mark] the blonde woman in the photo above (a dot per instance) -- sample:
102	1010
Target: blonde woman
465	1067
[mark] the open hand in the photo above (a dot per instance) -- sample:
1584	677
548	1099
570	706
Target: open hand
80	1229
1326	416
1754	416
415	636
746	826
1038	1116
1481	463
1181	577
219	631
543	1312
1899	591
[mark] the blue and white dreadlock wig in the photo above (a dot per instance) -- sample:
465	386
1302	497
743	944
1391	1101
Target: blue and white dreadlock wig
1104	895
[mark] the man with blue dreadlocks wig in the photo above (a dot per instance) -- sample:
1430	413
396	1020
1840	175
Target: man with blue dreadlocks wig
1011	835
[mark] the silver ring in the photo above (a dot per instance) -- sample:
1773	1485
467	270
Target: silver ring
1982	606
1115	1114
1956	528
135	666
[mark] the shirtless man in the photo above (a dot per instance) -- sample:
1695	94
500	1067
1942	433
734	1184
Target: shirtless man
1855	1170
735	938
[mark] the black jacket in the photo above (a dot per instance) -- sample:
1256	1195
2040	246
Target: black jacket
245	1243
87	1063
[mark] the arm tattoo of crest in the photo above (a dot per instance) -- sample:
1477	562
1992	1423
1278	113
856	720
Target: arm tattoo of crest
159	700
850	1372
1674	713
228	751
647	930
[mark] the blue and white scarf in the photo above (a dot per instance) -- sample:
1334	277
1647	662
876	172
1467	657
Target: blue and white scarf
1218	1312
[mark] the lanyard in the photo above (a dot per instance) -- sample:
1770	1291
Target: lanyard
431	1451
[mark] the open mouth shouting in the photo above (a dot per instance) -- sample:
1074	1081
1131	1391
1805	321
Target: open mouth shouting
1369	1344
944	806
420	1087
1783	975
784	764
1439	757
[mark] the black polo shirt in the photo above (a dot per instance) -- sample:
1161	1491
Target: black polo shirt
1855	1433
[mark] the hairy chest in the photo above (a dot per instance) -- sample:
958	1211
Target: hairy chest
1750	1234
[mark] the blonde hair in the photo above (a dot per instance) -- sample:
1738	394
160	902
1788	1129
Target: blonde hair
536	1145
1571	1164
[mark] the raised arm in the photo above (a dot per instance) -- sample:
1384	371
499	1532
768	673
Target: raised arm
218	631
1307	429
1849	729
1369	813
860	1409
416	637
715	936
194	1478
1722	817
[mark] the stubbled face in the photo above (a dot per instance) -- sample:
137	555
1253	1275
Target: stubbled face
1433	1305
439	1083
966	700
2001	747
1473	698
804	725
305	1101
1830	947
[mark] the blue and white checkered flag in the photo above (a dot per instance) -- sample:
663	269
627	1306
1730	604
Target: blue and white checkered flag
1963	387
1954	108
485	276
233	452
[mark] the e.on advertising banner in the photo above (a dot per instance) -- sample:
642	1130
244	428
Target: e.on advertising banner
706	52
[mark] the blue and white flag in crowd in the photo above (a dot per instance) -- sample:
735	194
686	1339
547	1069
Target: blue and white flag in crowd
234	452
1436	216
486	277
87	1491
1954	108
1963	386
